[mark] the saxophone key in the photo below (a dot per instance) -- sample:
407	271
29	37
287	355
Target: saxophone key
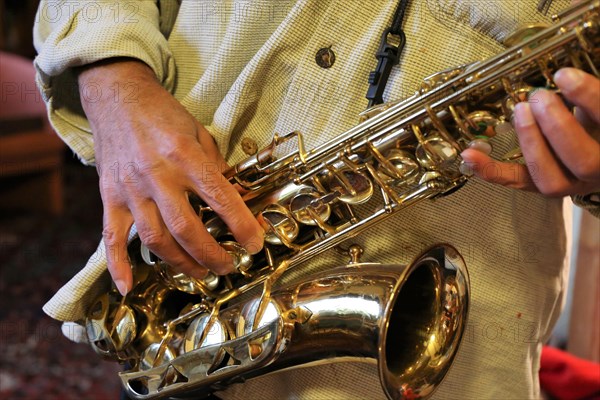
435	153
280	226
149	358
318	205
485	121
216	334
354	187
250	311
402	167
242	260
110	327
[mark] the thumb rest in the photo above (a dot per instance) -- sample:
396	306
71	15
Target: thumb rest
189	337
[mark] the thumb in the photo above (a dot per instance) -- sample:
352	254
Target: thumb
484	167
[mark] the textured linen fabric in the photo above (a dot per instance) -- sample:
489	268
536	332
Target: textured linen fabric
590	202
247	69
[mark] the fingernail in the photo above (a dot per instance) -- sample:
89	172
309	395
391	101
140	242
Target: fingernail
255	245
468	154
482	145
467	165
225	269
466	168
199	273
569	79
121	286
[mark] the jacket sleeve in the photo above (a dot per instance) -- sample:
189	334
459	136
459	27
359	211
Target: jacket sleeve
590	202
69	34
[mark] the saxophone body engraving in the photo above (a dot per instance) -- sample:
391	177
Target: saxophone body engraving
184	336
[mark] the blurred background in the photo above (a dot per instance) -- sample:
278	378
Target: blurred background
50	224
51	220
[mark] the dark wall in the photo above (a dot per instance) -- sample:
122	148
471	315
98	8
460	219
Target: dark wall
16	24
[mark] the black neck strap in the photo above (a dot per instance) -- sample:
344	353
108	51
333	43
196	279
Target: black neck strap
390	48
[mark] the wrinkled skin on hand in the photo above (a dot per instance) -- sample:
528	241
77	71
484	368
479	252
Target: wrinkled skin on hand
151	154
561	150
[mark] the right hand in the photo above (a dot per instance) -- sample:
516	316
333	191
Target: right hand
150	153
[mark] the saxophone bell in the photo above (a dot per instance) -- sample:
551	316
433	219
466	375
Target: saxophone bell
408	319
190	337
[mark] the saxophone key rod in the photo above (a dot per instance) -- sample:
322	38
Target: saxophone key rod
482	69
284	327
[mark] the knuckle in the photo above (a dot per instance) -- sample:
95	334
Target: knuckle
176	149
111	236
210	173
147	168
222	196
179	225
115	194
115	245
151	237
107	185
112	202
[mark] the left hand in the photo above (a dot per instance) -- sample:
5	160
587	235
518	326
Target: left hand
561	150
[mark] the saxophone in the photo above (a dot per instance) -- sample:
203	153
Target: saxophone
182	336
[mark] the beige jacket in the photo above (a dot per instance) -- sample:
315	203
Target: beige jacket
247	69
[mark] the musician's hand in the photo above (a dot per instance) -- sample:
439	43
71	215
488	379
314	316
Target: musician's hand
561	150
150	153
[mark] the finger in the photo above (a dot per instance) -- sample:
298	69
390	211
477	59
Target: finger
575	148
546	172
506	174
581	89
210	147
588	124
187	229
208	144
155	235
225	200
117	223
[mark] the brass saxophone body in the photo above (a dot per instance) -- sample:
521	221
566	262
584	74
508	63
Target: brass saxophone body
188	337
